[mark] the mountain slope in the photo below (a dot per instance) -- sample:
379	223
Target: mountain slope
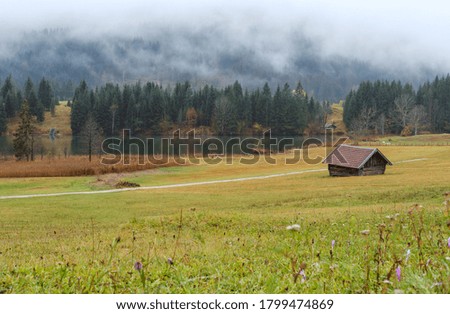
212	57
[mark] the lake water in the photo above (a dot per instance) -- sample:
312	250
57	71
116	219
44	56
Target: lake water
68	145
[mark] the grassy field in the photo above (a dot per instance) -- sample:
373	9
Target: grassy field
233	237
418	140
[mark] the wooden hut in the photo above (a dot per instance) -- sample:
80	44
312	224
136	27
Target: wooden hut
346	160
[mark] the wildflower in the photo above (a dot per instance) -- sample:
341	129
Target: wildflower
138	266
302	273
365	232
448	242
293	227
170	261
408	254
398	271
333	242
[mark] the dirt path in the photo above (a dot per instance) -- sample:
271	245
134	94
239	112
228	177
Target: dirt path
158	187
171	186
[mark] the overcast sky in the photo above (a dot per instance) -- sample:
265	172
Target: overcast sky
413	33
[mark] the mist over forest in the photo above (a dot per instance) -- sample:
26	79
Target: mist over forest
322	47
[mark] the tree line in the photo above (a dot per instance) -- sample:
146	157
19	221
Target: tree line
392	107
152	108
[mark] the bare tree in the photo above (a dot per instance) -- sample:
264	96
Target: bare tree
223	115
382	122
403	106
417	117
365	120
91	136
191	117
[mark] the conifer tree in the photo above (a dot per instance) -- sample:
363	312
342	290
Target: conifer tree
45	96
30	96
81	105
10	97
3	121
23	138
266	105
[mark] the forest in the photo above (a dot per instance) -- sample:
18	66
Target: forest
392	107
379	107
152	108
39	99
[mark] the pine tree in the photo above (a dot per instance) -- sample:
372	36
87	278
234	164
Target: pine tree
104	102
23	138
30	96
124	107
45	94
275	112
157	108
266	105
81	105
10	97
40	112
3	121
301	101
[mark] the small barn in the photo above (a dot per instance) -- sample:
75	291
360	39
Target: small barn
347	160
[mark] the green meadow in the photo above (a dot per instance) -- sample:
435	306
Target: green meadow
379	234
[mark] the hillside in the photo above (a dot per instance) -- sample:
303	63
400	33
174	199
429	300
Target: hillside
336	117
60	122
61	57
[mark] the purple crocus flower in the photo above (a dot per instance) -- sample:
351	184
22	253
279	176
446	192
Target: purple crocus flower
448	242
398	271
138	266
333	242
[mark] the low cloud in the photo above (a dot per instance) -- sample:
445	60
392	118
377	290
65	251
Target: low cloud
216	40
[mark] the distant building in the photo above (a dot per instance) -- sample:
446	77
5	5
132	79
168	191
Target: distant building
346	160
329	126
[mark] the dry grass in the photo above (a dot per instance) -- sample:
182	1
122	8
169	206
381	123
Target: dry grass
60	122
336	117
72	166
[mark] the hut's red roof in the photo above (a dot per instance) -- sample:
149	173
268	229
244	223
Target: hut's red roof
351	156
